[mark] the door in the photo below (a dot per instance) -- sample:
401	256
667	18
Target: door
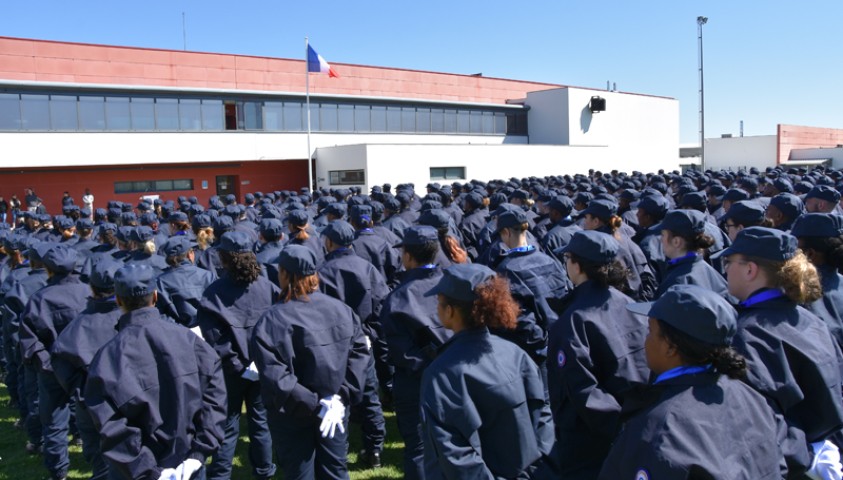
226	184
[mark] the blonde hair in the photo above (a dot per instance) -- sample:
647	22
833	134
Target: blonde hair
797	277
205	237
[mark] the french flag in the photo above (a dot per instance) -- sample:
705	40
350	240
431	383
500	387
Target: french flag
315	63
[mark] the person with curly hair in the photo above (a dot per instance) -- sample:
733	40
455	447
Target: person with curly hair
483	405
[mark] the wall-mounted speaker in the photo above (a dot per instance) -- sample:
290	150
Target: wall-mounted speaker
597	104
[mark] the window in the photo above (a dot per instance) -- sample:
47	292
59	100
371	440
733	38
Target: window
9	111
117	114
345	122
166	114
393	119
347	177
190	114
408	119
293	118
378	119
327	117
145	186
91	113
252	115
273	116
362	118
63	112
213	115
423	120
447	173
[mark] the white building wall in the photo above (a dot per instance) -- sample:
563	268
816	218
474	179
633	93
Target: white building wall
741	152
411	163
835	154
547	119
52	149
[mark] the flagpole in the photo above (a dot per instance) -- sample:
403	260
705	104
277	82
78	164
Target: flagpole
307	96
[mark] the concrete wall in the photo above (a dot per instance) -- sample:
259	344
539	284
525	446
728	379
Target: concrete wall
835	154
411	163
741	152
547	119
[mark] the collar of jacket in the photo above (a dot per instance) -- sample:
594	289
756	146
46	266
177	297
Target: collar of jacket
140	316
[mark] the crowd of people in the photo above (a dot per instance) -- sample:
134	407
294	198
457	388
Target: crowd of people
600	326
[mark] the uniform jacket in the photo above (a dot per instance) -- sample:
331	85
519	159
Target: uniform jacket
180	289
830	307
692	270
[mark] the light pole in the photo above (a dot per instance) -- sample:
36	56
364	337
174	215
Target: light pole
700	22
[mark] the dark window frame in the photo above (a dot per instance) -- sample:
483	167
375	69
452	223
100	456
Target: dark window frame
149	186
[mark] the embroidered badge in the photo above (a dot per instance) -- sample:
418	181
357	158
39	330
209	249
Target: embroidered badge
560	358
642	475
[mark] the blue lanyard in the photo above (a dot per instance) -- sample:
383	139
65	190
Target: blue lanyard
341	249
679	371
365	230
761	297
686	256
429	266
525	248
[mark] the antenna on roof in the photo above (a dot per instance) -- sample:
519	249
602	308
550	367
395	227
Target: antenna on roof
184	30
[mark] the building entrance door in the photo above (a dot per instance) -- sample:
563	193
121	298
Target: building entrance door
226	184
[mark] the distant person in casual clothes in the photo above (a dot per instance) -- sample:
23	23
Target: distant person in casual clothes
4	209
88	200
31	200
14	204
66	200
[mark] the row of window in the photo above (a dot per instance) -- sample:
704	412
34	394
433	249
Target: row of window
144	186
358	177
67	112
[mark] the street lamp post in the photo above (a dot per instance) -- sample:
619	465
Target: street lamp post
700	22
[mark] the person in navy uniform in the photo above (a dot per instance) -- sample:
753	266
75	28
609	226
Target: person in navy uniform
684	243
483	406
311	356
371	247
227	314
473	222
155	391
358	284
301	233
413	333
820	237
269	247
47	313
791	357
667	433
76	346
562	226
181	286
595	354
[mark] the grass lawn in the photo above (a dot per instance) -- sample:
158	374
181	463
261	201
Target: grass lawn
15	464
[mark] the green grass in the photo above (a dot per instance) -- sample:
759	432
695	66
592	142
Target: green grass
15	464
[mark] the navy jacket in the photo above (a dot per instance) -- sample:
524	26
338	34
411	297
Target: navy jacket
47	313
830	307
595	359
306	350
484	412
15	300
355	282
693	427
410	322
157	396
227	315
642	280
649	240
470	227
539	284
267	256
559	235
692	270
396	225
209	259
794	363
180	289
155	261
374	249
77	344
314	243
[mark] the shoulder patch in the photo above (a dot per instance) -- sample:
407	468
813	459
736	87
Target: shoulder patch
561	360
642	475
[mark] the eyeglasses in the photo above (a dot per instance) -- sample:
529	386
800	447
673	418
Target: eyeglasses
566	256
730	225
727	262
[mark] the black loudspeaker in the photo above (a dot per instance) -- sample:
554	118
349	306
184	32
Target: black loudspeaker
597	104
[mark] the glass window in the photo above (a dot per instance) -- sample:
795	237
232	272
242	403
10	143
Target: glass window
315	118
213	115
378	119
475	122
327	116
516	123
393	119
117	116
166	114
362	118
153	186
437	120
143	113
347	177
293	120
63	114
463	121
91	113
481	122
273	116
253	115
9	111
163	185
447	173
345	118
500	123
423	120
186	184
190	114
408	119
450	121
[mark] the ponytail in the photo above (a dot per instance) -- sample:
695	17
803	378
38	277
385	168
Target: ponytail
723	358
299	233
205	237
452	247
797	277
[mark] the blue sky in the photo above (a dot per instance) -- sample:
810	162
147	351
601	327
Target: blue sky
766	62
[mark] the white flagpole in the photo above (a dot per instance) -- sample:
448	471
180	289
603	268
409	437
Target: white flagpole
307	96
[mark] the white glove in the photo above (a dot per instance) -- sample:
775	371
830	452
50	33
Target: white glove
368	343
168	474
826	464
187	469
332	415
197	331
251	373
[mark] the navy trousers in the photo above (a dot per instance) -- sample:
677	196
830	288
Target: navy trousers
406	390
303	453
54	407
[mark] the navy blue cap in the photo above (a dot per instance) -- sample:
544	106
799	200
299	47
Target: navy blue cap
735	195
38	250
519	194
177	245
745	212
107	227
201	221
336	209
128	217
762	242
298	218
340	232
783	185
695	311
562	204
134	280
102	274
602	209
236	242
298	260
685	223
419	235
84	224
177	217
695	200
60	259
511	218
717	190
824	192
20	243
436	218
460	281
789	204
124	233
222	223
591	245
818	225
271	228
655	205
142	234
361	213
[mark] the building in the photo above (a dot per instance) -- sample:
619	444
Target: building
127	122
